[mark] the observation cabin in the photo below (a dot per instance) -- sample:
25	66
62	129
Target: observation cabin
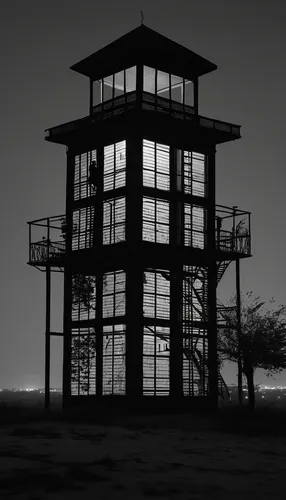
142	244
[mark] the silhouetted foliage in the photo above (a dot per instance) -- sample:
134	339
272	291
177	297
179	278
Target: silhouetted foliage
263	339
84	346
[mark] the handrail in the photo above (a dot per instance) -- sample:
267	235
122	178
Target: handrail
43	252
228	241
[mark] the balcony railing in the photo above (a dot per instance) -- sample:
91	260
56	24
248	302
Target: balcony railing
177	110
47	236
46	252
47	241
233	230
151	102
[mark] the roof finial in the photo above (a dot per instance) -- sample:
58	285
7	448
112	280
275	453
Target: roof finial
142	18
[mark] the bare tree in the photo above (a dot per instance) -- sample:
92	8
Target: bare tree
262	341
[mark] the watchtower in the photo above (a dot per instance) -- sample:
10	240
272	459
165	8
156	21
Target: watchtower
142	244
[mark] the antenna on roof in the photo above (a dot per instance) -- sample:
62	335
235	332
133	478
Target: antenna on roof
142	18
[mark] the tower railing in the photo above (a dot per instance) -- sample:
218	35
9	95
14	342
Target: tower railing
47	236
150	102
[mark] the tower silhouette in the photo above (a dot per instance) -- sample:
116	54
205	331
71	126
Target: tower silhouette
142	244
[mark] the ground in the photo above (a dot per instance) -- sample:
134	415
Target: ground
175	457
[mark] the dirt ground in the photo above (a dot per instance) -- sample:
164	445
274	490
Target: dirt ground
75	461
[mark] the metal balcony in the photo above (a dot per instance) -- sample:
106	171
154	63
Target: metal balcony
233	230
47	242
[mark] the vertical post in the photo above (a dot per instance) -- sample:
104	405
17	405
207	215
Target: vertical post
90	96
139	86
176	292
134	268
68	273
212	336
176	348
99	334
102	95
30	239
238	316
234	242
48	324
196	96
170	94
249	235
212	284
124	89
156	88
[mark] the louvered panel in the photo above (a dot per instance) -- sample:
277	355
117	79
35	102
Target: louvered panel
163	167
148	163
114	359
108	171
156	165
82	186
156	296
114	171
114	220
194	224
114	299
156	363
83	228
194	173
156	220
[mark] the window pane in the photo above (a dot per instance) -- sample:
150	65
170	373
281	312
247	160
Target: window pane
107	88
194	225
194	173
156	224
114	170
189	93
176	88
82	184
119	84
163	84
114	360
83	362
113	300
131	79
156	165
114	218
149	80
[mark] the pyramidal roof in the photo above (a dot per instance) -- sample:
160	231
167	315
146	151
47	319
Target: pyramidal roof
144	46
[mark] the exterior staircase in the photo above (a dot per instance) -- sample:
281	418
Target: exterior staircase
198	357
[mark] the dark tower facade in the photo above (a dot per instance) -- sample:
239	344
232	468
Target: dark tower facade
142	244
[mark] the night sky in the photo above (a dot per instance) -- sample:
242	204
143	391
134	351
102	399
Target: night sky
39	42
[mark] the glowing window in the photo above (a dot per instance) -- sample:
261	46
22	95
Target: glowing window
130	75
83	228
114	360
113	303
114	220
114	168
194	226
82	186
119	83
156	165
156	294
156	360
156	220
194	173
83	297
83	362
